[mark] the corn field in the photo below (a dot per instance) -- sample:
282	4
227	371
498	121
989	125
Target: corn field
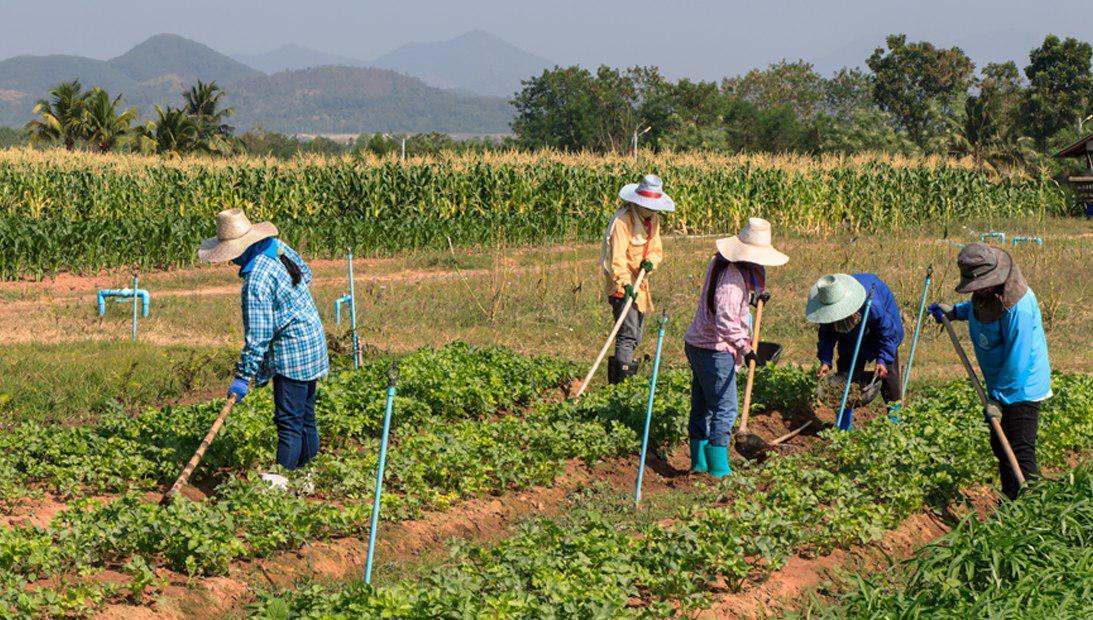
81	212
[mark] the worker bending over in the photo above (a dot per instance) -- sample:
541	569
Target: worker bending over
837	303
1007	333
632	244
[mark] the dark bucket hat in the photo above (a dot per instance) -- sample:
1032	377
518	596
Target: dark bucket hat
982	266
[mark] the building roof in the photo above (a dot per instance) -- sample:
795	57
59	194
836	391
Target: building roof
1078	149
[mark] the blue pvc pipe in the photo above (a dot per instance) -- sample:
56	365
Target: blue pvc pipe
854	358
993	235
914	343
338	307
1037	240
649	408
392	376
353	309
135	288
123	295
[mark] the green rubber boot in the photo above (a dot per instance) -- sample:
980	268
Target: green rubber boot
718	459
698	455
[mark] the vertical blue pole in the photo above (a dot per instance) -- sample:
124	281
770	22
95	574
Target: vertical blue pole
353	310
914	343
392	376
854	358
136	280
649	408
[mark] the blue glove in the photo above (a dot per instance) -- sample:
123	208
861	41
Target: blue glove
941	310
239	388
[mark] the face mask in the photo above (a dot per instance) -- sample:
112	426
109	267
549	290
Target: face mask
845	326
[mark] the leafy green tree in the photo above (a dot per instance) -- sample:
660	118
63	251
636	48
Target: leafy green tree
60	116
1060	88
923	87
174	132
794	85
204	104
102	124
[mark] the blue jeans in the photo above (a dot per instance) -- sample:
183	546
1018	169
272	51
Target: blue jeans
713	395
294	415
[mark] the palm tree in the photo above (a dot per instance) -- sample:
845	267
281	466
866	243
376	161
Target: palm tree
175	131
203	103
59	117
103	126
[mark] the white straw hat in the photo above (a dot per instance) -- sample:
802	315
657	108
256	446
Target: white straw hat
649	194
833	298
752	245
234	234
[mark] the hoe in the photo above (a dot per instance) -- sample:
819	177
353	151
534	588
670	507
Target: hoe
184	477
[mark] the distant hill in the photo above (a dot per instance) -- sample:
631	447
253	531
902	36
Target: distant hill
291	57
359	99
320	100
477	61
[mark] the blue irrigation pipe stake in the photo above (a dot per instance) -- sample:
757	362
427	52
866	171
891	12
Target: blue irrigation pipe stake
649	408
392	377
914	343
854	358
136	281
353	310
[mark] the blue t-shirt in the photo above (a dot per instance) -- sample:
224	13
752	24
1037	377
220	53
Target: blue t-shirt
1012	351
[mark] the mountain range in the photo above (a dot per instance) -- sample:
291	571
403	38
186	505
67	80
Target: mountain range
457	86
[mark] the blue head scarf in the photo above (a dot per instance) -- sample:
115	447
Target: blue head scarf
267	247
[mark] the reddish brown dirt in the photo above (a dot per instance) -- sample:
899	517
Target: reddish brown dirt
788	587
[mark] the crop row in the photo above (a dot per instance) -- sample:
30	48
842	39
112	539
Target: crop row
1031	559
68	213
860	485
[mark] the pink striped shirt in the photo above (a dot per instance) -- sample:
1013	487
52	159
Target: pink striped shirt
727	328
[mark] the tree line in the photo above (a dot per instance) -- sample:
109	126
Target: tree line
915	98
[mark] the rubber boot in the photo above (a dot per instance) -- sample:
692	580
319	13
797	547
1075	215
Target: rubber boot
628	370
847	423
698	455
717	459
614	371
894	412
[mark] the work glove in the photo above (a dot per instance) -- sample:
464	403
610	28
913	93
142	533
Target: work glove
647	265
754	298
628	291
939	310
750	357
992	410
239	388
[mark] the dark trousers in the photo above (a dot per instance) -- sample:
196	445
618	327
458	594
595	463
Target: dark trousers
294	415
889	386
629	336
1020	421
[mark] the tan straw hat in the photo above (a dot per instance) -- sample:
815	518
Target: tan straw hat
234	234
752	245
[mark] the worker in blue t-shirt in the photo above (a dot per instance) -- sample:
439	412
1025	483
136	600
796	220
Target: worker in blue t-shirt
1007	333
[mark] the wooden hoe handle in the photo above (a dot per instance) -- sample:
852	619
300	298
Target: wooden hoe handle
188	471
751	367
611	336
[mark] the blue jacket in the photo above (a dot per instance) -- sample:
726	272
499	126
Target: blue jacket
883	334
1012	351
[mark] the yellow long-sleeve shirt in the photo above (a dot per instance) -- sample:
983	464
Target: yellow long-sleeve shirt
630	239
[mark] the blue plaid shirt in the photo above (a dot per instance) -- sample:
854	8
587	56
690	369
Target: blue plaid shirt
284	335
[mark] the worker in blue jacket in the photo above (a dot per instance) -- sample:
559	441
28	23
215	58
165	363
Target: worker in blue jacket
837	303
1007	333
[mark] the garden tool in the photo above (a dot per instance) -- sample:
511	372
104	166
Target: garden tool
914	343
184	477
649	407
392	377
996	424
845	425
611	336
750	445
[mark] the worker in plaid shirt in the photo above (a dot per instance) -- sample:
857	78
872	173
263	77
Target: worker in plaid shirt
284	338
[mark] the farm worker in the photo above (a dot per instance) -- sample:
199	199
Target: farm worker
631	244
837	302
284	338
718	342
1007	333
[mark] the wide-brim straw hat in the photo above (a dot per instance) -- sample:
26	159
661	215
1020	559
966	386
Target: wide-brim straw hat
649	194
234	234
982	266
833	298
752	245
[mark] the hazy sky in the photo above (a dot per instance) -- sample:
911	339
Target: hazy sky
697	38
